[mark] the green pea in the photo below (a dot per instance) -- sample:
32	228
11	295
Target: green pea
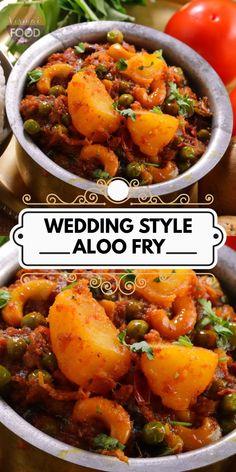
124	86
204	135
232	339
137	329
187	152
153	433
115	36
66	119
228	424
45	108
31	127
33	319
133	170
101	71
134	309
216	386
172	108
49	362
57	90
206	338
228	403
34	376
183	166
5	376
125	100
16	348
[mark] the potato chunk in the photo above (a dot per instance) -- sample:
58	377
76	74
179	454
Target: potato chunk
162	286
178	374
142	68
152	131
90	105
85	341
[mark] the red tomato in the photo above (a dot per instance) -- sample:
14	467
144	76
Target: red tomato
209	27
231	242
233	103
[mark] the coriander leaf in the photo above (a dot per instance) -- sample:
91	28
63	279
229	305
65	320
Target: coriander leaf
101	174
69	286
141	347
127	112
157	110
127	276
180	423
121	64
185	103
220	326
102	441
80	48
121	336
150	164
5	296
34	76
184	341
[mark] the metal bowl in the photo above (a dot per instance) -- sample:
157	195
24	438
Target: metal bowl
216	452
6	65
202	76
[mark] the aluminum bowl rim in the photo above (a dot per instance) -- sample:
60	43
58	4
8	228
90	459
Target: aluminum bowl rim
203	74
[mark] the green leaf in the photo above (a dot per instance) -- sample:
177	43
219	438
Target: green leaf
157	110
181	423
5	15
220	326
185	103
150	164
80	48
121	64
142	347
3	240
101	174
184	341
51	12
34	76
5	296
69	286
102	441
116	15
127	112
127	276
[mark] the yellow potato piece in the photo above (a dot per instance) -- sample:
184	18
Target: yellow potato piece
90	105
142	68
152	131
162	286
85	341
178	374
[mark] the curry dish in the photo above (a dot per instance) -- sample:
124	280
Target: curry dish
106	110
131	364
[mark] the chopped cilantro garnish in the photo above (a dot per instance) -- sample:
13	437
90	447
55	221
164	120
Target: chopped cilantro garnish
34	76
5	296
80	48
181	423
141	347
184	341
102	441
220	326
157	280
127	112
100	174
185	103
121	64
157	110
